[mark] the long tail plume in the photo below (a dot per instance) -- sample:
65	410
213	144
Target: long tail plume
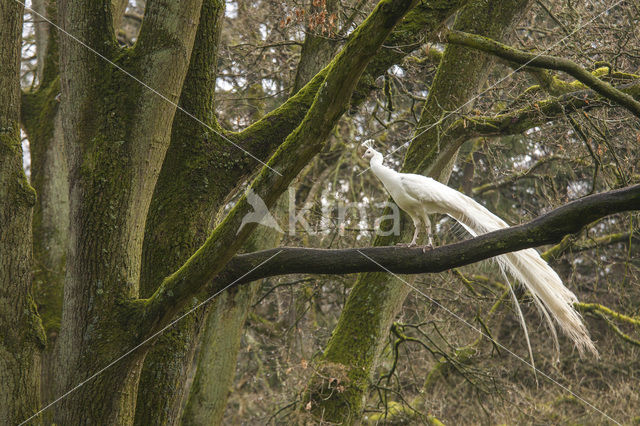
552	298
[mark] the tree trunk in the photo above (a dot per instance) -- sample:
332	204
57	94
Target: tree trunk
171	235
306	141
49	176
21	335
216	365
116	133
220	344
352	353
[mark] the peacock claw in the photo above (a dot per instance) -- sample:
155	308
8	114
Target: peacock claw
427	247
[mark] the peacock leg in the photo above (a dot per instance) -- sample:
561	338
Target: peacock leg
427	227
416	224
413	243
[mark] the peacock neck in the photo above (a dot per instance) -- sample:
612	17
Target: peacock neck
384	173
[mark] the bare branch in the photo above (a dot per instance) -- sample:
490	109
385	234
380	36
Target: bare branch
419	23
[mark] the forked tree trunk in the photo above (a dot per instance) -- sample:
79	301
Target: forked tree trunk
216	363
173	234
117	133
178	222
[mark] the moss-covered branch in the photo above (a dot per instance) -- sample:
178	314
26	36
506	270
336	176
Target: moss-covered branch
266	134
297	150
608	315
548	62
570	242
524	118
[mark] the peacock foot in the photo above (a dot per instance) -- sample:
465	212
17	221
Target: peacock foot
427	247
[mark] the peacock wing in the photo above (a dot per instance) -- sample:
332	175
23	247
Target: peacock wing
437	197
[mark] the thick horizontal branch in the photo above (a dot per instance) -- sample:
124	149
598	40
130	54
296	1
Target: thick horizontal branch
548	62
546	229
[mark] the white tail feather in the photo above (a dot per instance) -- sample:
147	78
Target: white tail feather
419	196
552	298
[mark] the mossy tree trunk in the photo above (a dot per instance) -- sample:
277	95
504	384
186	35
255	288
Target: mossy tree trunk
212	168
215	369
220	344
113	135
116	133
21	335
353	351
42	123
183	204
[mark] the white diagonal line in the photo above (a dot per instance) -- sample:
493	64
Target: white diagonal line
497	82
160	95
153	336
476	329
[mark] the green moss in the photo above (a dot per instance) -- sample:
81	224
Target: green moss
11	152
23	332
338	383
39	110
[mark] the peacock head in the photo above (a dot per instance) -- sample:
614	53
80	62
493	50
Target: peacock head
368	146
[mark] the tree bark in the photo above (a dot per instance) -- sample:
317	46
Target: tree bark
305	142
21	334
220	345
41	120
171	235
116	133
316	51
297	150
172	232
